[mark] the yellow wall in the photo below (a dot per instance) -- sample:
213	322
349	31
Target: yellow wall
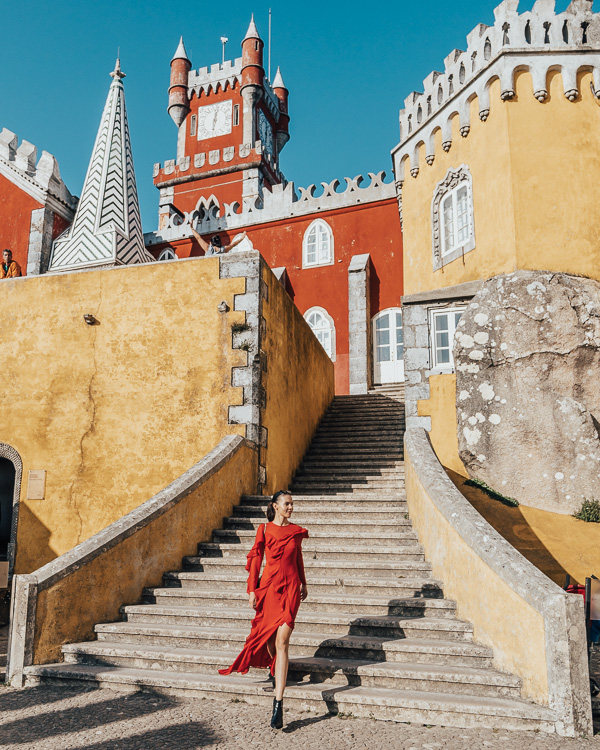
536	185
299	383
483	598
441	407
113	412
67	611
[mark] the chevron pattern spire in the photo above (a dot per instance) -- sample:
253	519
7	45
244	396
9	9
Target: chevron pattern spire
107	228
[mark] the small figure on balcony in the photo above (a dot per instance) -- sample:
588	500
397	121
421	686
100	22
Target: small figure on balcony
9	268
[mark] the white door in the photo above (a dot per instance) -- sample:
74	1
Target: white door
388	347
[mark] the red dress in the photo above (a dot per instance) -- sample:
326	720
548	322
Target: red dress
277	592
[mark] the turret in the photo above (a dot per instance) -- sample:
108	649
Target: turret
283	126
179	102
252	79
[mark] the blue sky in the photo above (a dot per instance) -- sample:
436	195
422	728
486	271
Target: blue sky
348	67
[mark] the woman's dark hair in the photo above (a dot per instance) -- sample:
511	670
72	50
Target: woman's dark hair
216	241
274	499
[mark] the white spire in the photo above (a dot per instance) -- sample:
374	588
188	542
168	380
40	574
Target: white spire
107	229
252	32
180	53
278	82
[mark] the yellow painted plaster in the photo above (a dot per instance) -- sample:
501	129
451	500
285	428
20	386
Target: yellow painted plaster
299	383
441	407
68	611
536	184
501	618
113	412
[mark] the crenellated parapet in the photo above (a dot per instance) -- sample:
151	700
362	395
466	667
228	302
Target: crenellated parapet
40	178
284	202
538	41
173	171
213	78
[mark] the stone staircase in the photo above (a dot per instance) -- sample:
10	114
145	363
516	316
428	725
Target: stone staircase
375	638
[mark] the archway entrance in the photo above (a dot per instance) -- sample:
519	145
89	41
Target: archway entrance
7	494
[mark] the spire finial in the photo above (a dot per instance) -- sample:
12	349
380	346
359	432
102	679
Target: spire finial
252	32
117	73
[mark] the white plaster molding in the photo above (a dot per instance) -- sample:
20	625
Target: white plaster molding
452	179
219	76
282	202
537	41
42	181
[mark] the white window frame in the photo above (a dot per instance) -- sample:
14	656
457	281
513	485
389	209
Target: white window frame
331	322
434	313
168	254
193	123
449	187
316	225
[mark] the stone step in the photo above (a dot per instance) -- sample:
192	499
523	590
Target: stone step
317	522
366	420
379	703
422	586
367	648
319	550
422	639
359	428
340	502
347	569
353	440
339	603
333	493
304	484
360	473
374	462
379	511
328	623
386	537
398	676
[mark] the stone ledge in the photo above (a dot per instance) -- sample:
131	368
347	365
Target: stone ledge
562	613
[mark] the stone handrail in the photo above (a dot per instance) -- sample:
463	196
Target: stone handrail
536	630
63	600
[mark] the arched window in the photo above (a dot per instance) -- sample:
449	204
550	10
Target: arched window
167	254
323	327
452	217
317	246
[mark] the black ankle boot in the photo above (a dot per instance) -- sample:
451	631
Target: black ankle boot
277	718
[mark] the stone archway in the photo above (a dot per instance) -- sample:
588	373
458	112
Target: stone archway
8	452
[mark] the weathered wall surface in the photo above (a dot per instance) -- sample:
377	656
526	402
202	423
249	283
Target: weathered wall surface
535	169
527	354
298	381
115	411
441	407
62	601
502	594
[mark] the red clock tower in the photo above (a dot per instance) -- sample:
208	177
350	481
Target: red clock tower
232	126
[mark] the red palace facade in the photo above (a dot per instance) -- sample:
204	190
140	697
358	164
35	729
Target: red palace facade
339	253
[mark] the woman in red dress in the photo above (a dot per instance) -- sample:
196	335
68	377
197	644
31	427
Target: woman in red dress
275	596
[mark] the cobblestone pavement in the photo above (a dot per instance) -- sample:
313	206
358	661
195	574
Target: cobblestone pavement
56	718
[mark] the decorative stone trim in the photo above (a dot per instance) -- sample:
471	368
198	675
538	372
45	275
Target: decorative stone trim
7	451
452	179
248	265
209	216
42	181
490	554
537	41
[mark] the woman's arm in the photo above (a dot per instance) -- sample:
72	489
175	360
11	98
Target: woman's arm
235	242
203	244
300	563
255	558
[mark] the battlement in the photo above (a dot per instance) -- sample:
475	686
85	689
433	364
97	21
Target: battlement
284	202
219	75
40	178
536	41
174	169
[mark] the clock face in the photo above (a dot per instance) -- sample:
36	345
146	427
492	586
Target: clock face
214	119
265	132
